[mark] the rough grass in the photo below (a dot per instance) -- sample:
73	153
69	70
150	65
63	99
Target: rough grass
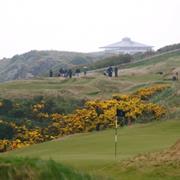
165	57
160	171
167	156
95	85
36	169
158	165
84	87
135	73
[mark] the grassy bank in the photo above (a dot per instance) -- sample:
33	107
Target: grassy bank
36	169
94	152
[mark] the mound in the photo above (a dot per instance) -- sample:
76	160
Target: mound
166	157
36	169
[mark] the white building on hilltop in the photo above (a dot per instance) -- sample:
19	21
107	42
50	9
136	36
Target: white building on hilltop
127	46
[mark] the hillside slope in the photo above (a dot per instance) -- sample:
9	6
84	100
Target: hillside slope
36	63
158	69
36	169
83	87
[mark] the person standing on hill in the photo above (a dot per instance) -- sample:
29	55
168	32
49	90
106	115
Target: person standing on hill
110	71
61	71
116	71
50	73
77	72
177	75
70	73
65	73
85	70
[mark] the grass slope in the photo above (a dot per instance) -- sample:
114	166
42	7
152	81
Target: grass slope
94	152
36	169
159	165
156	59
84	87
95	85
38	63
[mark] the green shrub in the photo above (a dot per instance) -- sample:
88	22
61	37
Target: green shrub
6	131
7	106
111	61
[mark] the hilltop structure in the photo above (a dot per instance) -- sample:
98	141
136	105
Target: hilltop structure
127	46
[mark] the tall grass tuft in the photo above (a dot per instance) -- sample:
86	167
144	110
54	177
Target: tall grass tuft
36	169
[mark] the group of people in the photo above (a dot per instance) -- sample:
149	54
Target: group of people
109	71
67	72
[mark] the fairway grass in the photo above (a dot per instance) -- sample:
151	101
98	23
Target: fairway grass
94	152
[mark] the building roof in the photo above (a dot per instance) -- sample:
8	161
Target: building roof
126	42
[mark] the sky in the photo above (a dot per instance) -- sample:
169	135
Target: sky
85	25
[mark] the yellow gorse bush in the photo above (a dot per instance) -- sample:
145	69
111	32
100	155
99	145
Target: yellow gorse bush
38	107
146	93
96	115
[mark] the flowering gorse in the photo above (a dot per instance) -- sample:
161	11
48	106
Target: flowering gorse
96	115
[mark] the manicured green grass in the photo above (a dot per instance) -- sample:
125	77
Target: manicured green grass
94	152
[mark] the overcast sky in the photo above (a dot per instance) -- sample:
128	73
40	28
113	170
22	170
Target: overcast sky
85	25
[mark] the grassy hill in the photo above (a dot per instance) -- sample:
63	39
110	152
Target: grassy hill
36	169
97	86
134	74
84	87
169	48
94	152
166	57
38	63
162	165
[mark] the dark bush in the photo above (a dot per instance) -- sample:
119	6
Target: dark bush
111	61
6	107
6	131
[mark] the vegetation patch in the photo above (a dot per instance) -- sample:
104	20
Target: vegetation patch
36	169
158	165
110	61
97	115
